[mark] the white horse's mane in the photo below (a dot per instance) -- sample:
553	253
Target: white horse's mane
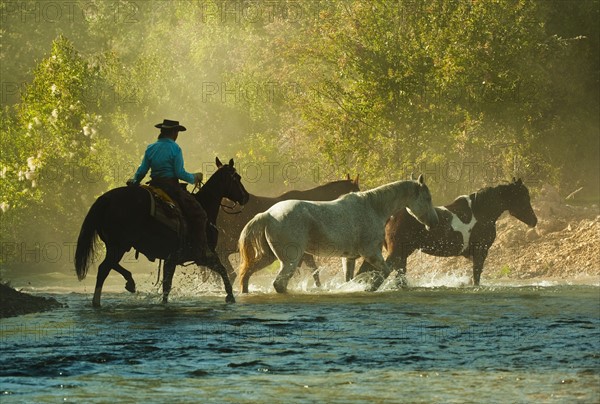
387	193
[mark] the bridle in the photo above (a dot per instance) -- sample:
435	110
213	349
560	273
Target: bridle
229	209
226	208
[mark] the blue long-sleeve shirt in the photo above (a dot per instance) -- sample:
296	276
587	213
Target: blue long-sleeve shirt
165	160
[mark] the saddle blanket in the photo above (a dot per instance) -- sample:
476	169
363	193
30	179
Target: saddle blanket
164	209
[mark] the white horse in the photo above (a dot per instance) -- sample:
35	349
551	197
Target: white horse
351	226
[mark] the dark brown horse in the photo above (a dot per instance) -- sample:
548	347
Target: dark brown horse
234	223
466	227
121	217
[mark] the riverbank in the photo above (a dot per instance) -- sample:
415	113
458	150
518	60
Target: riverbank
15	303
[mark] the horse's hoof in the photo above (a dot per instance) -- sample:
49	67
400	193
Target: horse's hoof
130	287
95	304
371	280
230	299
401	281
279	288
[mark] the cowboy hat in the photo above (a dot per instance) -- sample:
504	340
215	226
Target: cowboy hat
168	124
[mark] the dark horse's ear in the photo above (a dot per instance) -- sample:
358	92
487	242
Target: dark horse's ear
356	179
347	176
231	162
519	181
421	179
218	162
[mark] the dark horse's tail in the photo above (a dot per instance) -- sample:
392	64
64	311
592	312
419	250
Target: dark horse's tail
88	236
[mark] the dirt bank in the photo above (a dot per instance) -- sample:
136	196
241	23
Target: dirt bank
564	244
14	303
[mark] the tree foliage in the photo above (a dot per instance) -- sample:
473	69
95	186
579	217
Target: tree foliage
468	92
57	151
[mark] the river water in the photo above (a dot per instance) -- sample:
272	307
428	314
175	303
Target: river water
503	342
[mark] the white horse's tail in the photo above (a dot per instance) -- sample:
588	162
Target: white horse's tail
253	246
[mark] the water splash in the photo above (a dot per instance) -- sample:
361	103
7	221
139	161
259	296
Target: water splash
440	279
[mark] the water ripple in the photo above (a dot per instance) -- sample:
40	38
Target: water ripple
512	344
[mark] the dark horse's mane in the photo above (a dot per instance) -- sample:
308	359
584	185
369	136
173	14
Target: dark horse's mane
487	203
490	202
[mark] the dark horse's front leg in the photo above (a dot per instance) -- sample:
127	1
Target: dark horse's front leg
169	271
479	256
224	258
216	265
485	236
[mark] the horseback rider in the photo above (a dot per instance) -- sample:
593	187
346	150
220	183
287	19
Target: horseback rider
165	160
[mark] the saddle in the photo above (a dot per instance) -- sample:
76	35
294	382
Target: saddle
165	211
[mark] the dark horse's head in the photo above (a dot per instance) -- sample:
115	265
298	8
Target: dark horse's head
226	182
349	184
333	189
519	203
330	190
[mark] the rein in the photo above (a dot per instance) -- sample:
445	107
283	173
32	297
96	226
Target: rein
197	187
231	212
225	208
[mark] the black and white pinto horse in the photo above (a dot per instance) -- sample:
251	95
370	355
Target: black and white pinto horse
466	227
351	226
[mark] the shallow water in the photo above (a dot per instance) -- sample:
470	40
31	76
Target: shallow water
499	343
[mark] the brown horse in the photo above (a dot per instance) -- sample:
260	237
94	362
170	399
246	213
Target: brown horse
121	217
232	224
466	227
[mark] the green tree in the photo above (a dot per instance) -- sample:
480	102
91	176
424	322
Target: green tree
392	87
56	148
